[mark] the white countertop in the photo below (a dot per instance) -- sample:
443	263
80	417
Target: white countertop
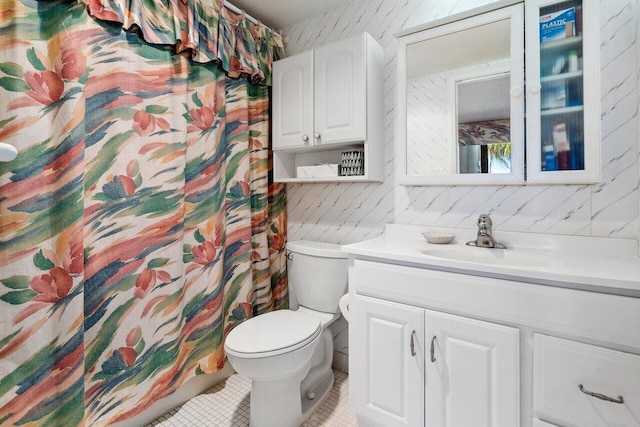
597	264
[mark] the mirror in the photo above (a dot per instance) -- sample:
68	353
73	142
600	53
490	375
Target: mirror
460	101
482	126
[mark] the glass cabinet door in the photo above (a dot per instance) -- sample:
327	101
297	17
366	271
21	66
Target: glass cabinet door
563	92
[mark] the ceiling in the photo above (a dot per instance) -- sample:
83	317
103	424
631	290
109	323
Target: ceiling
279	14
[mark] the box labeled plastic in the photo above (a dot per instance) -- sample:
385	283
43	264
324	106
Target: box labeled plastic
558	25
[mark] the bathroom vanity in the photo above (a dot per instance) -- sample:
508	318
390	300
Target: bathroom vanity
544	333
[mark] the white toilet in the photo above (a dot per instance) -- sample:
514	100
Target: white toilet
287	354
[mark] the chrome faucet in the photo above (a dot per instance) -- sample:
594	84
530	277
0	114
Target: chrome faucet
485	238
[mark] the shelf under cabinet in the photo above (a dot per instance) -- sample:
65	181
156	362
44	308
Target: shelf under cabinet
321	179
287	161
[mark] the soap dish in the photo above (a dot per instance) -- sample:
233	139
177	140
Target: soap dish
438	238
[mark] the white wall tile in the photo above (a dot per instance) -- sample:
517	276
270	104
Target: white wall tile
347	213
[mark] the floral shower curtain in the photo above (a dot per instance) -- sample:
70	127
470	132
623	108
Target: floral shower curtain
137	225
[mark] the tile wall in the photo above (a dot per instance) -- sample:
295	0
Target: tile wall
346	213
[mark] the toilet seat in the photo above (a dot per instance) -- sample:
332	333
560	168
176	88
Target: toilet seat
273	333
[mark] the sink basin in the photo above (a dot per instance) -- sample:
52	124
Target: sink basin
505	257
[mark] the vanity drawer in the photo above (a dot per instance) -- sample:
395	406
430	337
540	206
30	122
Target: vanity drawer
561	366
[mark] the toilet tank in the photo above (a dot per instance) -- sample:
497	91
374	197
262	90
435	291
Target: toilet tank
318	274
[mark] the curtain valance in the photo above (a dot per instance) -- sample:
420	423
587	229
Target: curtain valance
206	28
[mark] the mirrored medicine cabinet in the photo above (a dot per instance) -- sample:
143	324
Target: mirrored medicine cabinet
462	95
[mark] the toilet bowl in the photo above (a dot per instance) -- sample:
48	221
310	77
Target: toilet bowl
287	354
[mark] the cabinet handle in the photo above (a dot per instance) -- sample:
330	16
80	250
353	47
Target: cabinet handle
305	138
317	135
433	349
600	396
413	348
515	92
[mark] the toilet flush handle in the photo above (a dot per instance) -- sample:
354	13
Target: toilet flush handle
289	255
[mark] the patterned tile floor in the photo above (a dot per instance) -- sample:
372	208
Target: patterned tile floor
227	405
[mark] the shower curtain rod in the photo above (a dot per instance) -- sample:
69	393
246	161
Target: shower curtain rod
236	9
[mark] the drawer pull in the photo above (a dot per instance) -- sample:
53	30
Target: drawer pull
433	349
413	348
600	396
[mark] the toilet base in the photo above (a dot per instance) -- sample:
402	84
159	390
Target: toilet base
276	402
280	394
321	392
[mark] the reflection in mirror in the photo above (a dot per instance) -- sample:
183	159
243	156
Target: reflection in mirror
462	63
483	127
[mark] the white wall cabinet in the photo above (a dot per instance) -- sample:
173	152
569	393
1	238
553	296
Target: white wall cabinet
325	102
421	367
563	91
507	353
561	67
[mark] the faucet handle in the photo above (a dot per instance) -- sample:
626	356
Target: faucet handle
484	221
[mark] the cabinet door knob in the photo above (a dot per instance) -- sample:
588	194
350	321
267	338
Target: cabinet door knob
412	345
534	88
601	396
516	92
432	350
305	138
317	135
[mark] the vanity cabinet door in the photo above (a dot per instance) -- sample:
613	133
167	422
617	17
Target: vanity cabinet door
472	372
340	92
563	91
293	101
386	364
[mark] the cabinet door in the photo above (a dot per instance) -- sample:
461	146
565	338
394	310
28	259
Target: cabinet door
340	92
472	372
293	101
563	91
386	378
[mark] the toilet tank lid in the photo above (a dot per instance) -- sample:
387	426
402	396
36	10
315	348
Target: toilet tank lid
320	249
